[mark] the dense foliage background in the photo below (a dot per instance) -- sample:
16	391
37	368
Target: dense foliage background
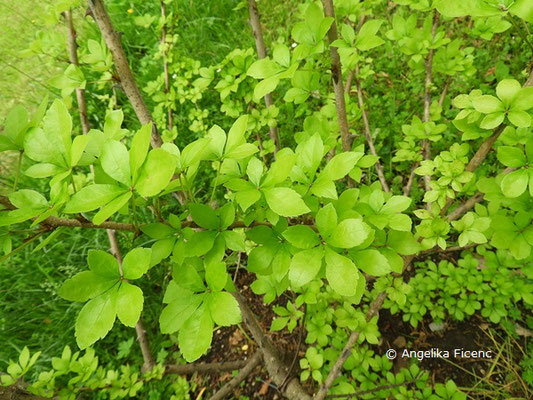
364	187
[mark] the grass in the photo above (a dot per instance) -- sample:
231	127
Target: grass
24	78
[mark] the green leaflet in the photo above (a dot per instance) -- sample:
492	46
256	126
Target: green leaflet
136	263
85	285
341	273
112	207
196	334
156	172
96	318
349	233
103	264
305	265
129	304
139	149
301	236
372	262
115	162
224	309
216	275
92	197
178	311
285	202
515	183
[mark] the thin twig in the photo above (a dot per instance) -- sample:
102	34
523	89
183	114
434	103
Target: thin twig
122	67
205	368
426	148
335	371
170	117
409	186
225	390
367	132
261	53
276	368
336	78
73	57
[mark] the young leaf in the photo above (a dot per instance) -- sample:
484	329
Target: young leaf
85	285
96	319
305	265
112	207
285	202
326	220
236	134
349	233
301	236
178	311
139	149
136	263
196	334
92	197
224	309
115	161
372	262
515	183
511	156
204	216
341	273
129	304
216	275
58	123
156	172
103	264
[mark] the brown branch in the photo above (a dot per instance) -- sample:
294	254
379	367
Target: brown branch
437	249
17	392
122	67
466	206
243	373
335	371
261	53
336	78
73	57
277	369
426	147
74	223
170	117
367	132
205	368
444	92
409	186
